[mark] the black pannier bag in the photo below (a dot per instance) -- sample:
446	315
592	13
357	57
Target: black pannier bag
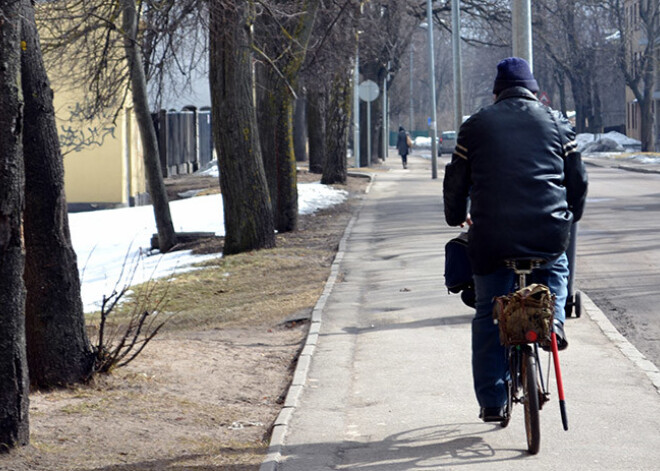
458	270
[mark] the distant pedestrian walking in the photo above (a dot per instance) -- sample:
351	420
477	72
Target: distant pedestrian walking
403	144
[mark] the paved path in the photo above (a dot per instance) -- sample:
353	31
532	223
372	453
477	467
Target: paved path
384	383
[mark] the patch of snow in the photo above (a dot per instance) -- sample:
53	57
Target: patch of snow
608	142
113	245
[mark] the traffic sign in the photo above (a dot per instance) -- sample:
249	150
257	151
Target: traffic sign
368	90
544	98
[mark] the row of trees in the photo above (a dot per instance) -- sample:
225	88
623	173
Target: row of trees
583	58
262	55
40	303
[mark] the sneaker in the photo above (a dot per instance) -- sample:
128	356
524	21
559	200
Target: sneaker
492	414
562	343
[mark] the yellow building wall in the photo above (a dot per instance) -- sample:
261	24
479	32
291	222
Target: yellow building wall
102	160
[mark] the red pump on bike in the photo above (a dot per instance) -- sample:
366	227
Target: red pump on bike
560	383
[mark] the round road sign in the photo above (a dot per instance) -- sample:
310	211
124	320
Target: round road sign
368	90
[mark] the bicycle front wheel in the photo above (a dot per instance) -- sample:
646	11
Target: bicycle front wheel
531	402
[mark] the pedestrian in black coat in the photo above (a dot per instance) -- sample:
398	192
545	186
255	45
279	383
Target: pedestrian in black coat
403	146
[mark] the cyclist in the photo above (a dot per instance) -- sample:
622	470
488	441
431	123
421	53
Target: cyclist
518	181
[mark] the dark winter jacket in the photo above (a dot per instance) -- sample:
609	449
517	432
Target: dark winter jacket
402	143
516	164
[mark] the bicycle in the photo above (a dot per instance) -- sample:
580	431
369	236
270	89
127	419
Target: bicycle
522	349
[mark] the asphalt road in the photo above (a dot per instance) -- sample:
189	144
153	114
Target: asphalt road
618	251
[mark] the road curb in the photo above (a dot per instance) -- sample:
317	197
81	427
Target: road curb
629	167
628	349
283	419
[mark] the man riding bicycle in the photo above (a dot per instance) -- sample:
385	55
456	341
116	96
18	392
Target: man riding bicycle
517	179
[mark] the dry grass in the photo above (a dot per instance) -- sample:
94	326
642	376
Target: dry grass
205	391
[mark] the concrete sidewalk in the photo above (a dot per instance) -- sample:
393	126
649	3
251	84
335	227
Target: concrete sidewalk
384	382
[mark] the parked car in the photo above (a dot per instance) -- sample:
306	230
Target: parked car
447	142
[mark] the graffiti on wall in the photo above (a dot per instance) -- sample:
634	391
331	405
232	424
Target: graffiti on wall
75	136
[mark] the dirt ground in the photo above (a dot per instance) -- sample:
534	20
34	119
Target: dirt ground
198	397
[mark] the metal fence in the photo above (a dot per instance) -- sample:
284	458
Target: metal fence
185	141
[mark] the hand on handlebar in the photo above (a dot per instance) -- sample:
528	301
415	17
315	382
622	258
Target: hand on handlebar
468	221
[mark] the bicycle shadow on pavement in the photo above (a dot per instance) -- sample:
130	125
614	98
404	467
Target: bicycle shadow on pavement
435	447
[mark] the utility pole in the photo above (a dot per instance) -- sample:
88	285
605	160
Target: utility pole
521	27
410	115
356	106
458	74
386	121
434	119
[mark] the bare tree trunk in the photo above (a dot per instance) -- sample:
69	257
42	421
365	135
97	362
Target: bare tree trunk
14	389
338	119
59	352
581	104
275	132
561	85
166	233
300	128
647	131
275	104
247	207
316	129
597	124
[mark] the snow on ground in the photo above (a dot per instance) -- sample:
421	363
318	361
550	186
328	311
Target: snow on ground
617	141
614	145
111	243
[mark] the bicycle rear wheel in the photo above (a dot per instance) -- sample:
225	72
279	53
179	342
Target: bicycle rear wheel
531	402
509	404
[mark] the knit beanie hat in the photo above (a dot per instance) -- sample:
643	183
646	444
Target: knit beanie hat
514	72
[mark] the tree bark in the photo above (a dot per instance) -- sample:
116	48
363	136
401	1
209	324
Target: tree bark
14	388
339	115
561	85
300	128
275	108
59	352
157	192
647	131
276	136
247	207
316	129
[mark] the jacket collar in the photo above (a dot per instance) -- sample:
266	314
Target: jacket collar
516	92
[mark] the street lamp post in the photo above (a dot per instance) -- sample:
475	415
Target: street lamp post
410	116
521	25
356	106
434	123
456	46
386	100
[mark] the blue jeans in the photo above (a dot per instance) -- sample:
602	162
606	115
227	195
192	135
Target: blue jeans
490	369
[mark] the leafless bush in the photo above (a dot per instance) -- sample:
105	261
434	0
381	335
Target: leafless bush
118	343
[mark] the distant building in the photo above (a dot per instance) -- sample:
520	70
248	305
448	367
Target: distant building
638	43
103	164
103	160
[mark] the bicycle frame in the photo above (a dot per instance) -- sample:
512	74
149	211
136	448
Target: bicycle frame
526	372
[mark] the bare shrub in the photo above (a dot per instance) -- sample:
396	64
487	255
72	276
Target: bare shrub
119	341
